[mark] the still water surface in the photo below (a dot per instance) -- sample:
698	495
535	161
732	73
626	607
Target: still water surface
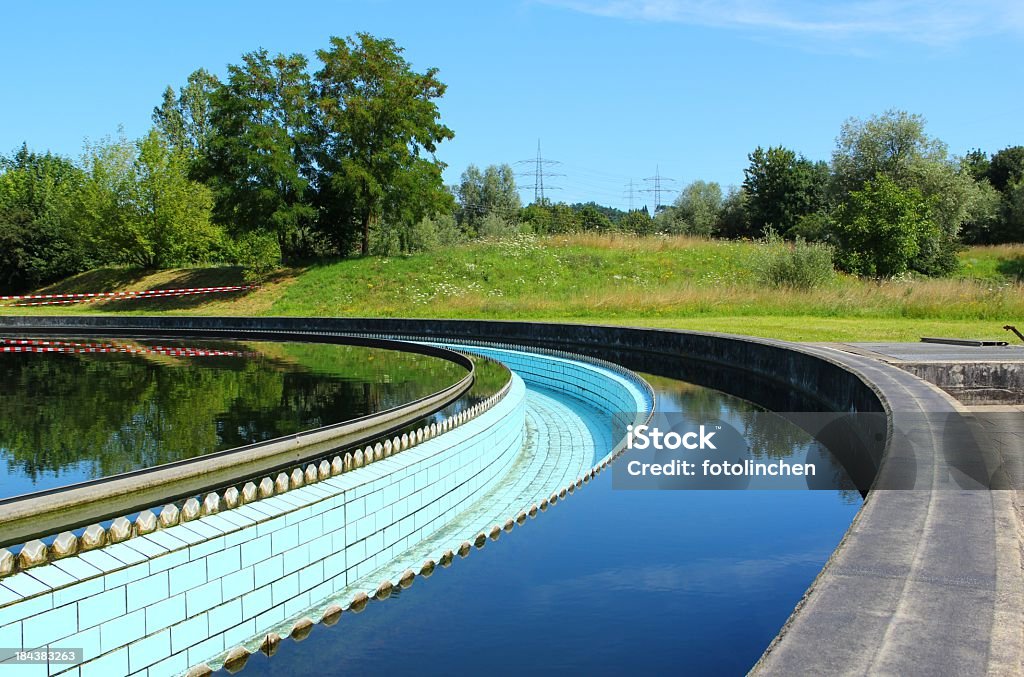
609	582
70	416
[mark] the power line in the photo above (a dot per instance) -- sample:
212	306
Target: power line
657	190
630	193
539	174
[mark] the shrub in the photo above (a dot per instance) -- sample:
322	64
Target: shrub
799	265
259	254
494	226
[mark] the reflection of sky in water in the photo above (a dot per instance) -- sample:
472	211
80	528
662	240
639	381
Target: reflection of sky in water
677	582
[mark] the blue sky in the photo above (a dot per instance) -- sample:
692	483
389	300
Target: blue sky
613	88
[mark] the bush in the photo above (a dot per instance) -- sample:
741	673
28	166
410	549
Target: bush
427	234
494	226
259	254
799	265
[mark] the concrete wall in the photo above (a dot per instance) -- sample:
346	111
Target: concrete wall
162	602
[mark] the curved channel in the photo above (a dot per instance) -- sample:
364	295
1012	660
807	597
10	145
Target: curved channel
45	512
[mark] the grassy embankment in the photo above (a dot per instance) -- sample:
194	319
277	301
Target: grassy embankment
660	282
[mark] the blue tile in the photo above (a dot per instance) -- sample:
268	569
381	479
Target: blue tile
222	563
101	560
173	665
205	650
166	540
115	663
125	554
147	651
25	585
224	616
10	638
49	626
87	640
268	570
206	548
148	591
73	593
122	630
240	633
126	575
256	550
202	598
101	608
168	561
187	576
52	577
238	583
256	602
189	632
25	608
165	613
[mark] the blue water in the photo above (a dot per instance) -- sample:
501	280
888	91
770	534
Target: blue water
606	582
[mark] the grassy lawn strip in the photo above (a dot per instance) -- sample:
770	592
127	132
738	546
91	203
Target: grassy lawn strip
658	281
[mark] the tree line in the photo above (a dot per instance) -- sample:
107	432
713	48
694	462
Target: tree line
279	161
286	160
892	200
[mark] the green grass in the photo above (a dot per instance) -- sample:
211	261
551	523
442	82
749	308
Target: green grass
664	282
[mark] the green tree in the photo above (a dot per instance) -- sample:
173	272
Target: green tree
893	144
637	221
697	209
257	163
1013	211
40	234
881	227
375	119
492	191
591	218
782	187
733	221
1006	167
184	118
140	207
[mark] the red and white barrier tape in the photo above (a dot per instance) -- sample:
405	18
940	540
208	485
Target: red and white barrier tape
41	346
58	299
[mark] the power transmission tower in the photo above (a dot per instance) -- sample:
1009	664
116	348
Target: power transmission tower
539	173
629	193
657	190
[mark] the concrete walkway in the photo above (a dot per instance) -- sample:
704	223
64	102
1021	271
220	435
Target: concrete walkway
927	580
971	374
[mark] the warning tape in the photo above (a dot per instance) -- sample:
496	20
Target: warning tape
57	299
41	346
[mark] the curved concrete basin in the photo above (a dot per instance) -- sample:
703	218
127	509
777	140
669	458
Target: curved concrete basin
47	512
928	579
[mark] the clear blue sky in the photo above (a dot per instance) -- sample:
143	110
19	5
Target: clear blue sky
612	88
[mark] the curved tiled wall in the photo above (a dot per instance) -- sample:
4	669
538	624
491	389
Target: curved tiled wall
180	596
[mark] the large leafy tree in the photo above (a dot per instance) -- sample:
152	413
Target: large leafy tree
40	235
184	117
881	228
377	129
140	208
492	191
696	211
256	162
895	145
782	187
1006	167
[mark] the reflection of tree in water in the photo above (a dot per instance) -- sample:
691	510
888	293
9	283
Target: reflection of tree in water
105	414
768	435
